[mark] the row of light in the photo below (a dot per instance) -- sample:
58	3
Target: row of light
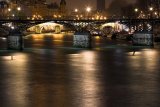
151	9
88	9
18	8
37	17
93	18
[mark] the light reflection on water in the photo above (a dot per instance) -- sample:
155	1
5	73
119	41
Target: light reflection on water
144	79
16	81
48	40
80	78
148	58
85	82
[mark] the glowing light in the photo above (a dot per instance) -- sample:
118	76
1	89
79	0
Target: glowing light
97	37
155	13
136	9
58	37
55	16
37	16
9	9
105	18
76	10
88	9
3	38
151	8
19	8
12	27
37	37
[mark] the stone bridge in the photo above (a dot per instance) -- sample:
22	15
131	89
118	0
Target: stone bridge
22	25
15	32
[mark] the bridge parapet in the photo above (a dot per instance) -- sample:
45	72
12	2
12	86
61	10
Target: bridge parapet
15	40
82	40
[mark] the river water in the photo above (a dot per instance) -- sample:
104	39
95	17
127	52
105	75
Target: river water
50	72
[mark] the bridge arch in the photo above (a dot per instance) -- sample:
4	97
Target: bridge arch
47	27
115	27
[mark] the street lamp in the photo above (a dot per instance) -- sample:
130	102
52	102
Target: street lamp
151	9
9	9
76	10
13	15
88	10
19	8
136	11
14	11
156	14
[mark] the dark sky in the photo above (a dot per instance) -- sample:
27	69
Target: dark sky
112	6
81	4
72	4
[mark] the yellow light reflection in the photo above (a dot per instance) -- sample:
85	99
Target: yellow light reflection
16	83
58	37
86	84
134	53
97	37
146	59
151	59
8	57
149	52
37	37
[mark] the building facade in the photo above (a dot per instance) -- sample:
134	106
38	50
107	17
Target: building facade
100	5
34	9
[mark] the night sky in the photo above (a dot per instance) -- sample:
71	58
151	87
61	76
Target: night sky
112	6
81	4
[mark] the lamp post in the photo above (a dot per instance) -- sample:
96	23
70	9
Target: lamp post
9	12
14	12
88	10
151	10
136	11
75	10
19	9
9	9
76	14
156	14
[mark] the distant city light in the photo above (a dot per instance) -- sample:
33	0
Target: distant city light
12	27
151	8
155	13
76	10
88	9
9	9
136	9
18	8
